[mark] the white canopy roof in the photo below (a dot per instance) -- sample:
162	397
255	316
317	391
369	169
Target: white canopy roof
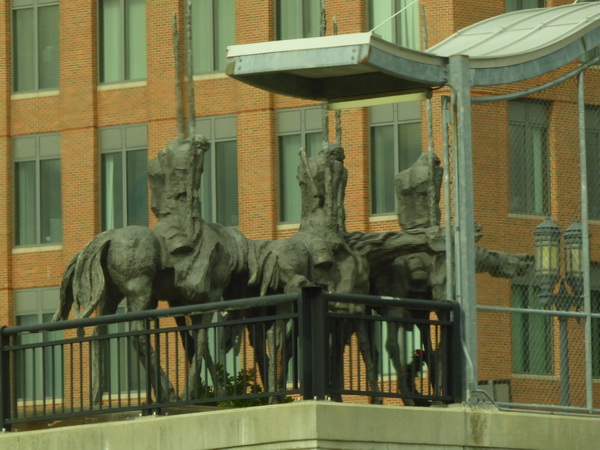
505	49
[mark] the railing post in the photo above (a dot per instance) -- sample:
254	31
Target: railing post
5	375
314	343
456	358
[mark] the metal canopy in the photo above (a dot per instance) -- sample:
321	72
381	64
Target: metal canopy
335	67
505	49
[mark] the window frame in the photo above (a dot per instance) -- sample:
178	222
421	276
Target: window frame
592	133
43	303
518	5
122	140
309	117
214	25
124	53
523	356
35	5
36	154
411	16
217	129
396	119
279	11
516	166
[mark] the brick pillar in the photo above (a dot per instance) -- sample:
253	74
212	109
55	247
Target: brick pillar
77	113
6	214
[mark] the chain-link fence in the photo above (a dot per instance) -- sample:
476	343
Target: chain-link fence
536	184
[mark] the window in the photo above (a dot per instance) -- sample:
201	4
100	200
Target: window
528	158
515	5
296	129
297	18
124	176
532	334
35	45
122	46
395	145
219	189
403	29
38	212
592	143
39	371
212	32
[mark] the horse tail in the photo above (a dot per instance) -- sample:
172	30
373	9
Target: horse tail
89	277
66	291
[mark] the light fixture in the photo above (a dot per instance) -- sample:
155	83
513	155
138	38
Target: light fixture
361	101
573	257
547	255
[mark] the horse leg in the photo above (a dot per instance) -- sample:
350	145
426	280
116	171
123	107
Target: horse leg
257	337
193	378
138	292
364	344
393	348
108	305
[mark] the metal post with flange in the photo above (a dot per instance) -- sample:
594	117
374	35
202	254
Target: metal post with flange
465	282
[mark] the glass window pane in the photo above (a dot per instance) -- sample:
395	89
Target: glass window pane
311	18
289	195
112	191
225	32
202	20
137	187
23	48
135	39
528	158
593	167
407	25
289	19
25	203
111	39
382	170
409	144
50	202
227	183
379	11
48	47
314	143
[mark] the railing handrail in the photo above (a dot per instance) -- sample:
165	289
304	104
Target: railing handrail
227	305
308	324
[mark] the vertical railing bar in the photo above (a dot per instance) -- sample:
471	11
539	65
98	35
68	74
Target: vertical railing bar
177	339
158	388
5	382
80	376
147	343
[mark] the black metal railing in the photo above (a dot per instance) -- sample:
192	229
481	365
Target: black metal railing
311	345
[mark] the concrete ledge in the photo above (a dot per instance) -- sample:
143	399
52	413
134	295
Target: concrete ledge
324	425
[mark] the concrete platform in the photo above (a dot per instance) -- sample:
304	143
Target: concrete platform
323	425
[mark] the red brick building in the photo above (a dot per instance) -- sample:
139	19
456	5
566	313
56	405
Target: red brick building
87	95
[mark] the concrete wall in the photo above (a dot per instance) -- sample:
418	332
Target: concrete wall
324	425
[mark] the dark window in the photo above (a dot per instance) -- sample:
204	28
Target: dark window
297	18
528	158
212	31
532	334
395	145
122	40
35	45
219	189
124	176
296	129
38	210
